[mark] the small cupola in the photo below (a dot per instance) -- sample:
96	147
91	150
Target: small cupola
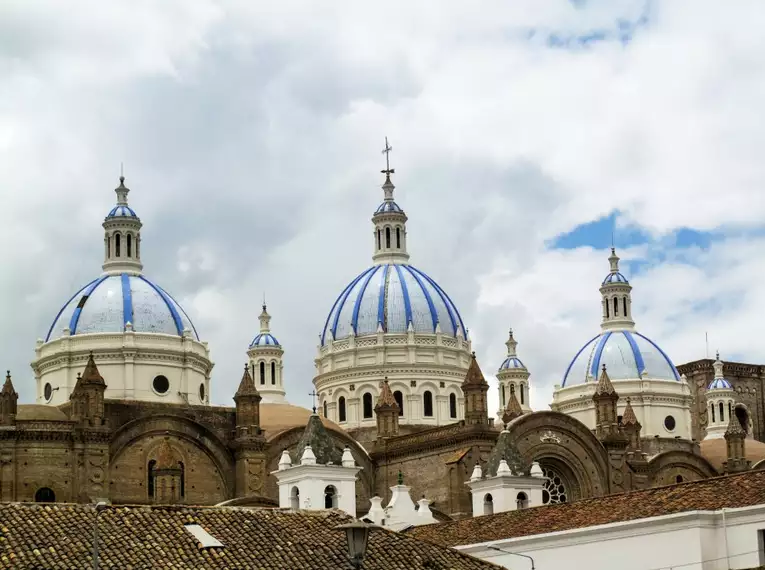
616	299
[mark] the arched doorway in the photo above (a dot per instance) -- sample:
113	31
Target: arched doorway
45	495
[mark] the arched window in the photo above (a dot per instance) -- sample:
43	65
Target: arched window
273	373
262	372
129	245
488	504
520	388
324	405
502	402
398	238
387	237
453	406
730	410
45	495
607	313
367	398
679	479
330	497
109	247
427	404
522	501
116	245
379	241
722	412
616	307
295	498
183	479
399	397
341	409
624	302
512	389
150	478
712	407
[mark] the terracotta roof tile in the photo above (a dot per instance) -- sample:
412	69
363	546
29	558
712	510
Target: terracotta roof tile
474	375
60	536
741	490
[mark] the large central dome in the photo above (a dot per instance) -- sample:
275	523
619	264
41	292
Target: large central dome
391	296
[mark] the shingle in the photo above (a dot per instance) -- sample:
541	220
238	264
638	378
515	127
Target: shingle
741	490
140	537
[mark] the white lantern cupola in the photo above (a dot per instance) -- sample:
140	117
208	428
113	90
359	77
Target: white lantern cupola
721	398
513	378
122	236
616	298
266	362
390	223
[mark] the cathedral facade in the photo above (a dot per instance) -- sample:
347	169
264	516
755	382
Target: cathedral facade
123	410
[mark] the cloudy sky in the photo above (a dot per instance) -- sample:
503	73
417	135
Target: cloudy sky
524	133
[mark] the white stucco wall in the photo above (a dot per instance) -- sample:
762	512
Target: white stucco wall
696	540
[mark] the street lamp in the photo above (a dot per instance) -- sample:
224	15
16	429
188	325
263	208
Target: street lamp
100	508
514	554
357	535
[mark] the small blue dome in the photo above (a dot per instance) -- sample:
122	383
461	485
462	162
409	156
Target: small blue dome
264	339
108	303
393	296
627	355
388	206
720	384
615	278
511	362
122	212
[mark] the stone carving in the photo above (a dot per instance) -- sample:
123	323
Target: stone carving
549	437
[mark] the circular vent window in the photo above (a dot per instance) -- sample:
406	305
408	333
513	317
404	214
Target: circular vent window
48	391
669	423
202	392
161	384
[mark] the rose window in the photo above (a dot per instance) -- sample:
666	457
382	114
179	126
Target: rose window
554	491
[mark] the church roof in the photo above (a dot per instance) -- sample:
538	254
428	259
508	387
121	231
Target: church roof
474	376
59	535
734	491
323	446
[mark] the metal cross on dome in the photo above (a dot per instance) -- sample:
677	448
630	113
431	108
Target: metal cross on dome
313	394
386	151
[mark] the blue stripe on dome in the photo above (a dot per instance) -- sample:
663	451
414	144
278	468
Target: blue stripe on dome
598	353
170	305
331	312
446	300
344	296
127	301
615	278
636	353
581	350
76	314
672	366
388	207
181	309
405	292
58	315
431	306
381	298
359	298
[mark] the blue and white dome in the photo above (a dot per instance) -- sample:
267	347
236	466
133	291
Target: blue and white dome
392	295
388	206
626	354
511	362
122	211
108	303
614	277
720	384
264	339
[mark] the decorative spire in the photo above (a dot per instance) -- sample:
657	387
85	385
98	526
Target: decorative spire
628	417
604	386
718	367
400	477
513	409
247	385
122	239
265	319
386	396
91	375
386	411
511	344
8	386
613	260
390	222
616	302
474	375
122	192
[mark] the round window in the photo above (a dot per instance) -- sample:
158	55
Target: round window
202	392
161	384
48	391
669	423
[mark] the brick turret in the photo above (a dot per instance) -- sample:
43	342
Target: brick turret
474	388
88	396
387	411
8	402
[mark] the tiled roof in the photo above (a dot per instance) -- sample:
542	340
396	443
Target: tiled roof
60	536
741	490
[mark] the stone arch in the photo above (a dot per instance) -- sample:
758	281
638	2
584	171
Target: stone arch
289	439
565	446
665	468
203	452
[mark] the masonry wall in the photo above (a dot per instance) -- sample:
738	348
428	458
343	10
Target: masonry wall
48	464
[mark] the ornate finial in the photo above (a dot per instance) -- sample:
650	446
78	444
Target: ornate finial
473	354
313	394
604	368
386	151
7	374
400	477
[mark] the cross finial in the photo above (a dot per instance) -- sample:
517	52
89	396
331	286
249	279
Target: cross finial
313	394
386	151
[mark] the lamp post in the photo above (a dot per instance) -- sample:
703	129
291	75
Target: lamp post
100	508
357	536
514	554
